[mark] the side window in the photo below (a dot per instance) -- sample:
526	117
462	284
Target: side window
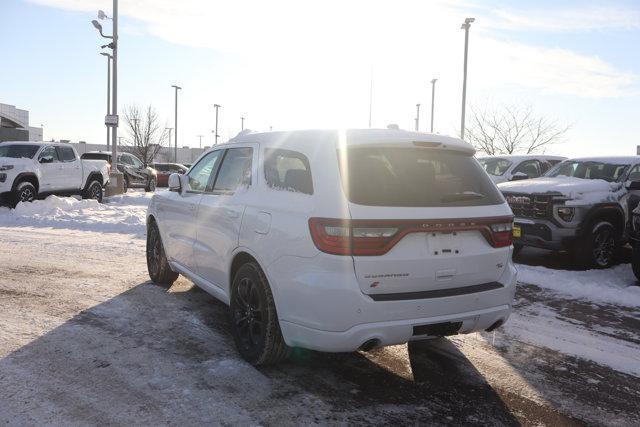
66	154
49	155
530	167
201	173
634	174
235	170
135	161
287	170
545	166
124	159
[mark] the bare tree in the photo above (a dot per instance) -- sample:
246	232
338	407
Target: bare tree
512	130
146	135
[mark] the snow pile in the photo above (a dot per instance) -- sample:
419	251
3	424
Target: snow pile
122	214
616	285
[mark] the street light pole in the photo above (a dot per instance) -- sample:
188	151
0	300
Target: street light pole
170	129
417	117
465	26
241	123
109	58
433	98
216	106
175	125
200	137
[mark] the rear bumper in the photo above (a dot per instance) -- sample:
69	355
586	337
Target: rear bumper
388	333
321	306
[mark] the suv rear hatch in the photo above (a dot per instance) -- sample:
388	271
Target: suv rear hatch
425	221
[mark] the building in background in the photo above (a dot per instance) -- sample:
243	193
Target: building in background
14	125
186	155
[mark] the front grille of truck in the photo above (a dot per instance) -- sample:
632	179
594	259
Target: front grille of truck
529	205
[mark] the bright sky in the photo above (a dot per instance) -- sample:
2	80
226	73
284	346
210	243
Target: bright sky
301	64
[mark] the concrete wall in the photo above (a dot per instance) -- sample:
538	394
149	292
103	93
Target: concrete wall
186	155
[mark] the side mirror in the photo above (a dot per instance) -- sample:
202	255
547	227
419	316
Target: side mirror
633	185
519	176
175	183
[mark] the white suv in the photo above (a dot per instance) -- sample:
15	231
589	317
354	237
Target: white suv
338	240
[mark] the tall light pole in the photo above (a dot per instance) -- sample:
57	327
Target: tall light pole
241	124
216	106
175	125
200	137
465	26
109	58
433	98
417	117
115	174
370	97
170	129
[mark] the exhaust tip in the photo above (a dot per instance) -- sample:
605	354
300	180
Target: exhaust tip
495	326
370	345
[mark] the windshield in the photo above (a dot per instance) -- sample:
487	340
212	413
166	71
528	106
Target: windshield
18	151
415	177
589	170
496	167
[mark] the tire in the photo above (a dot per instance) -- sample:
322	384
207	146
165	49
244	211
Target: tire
598	248
151	186
25	192
635	261
125	184
254	320
157	265
94	191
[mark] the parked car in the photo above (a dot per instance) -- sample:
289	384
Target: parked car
582	206
31	170
338	241
136	174
634	237
517	167
165	169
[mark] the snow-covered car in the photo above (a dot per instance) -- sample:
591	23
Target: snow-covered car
517	167
30	170
338	240
581	205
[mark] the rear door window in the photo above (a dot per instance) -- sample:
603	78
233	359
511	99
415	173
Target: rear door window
66	154
414	177
235	170
287	170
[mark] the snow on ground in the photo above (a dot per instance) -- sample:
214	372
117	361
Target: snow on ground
616	285
125	214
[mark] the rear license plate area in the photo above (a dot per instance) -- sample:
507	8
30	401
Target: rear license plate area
444	243
438	329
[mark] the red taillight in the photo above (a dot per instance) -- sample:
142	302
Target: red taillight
377	237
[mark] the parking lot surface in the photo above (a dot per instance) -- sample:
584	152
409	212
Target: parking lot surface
87	339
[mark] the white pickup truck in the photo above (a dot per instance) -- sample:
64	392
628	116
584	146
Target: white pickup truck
31	170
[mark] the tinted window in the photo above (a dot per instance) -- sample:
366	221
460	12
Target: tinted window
18	151
135	161
288	170
495	167
201	173
590	170
50	154
124	159
96	156
67	154
529	167
161	168
235	170
415	177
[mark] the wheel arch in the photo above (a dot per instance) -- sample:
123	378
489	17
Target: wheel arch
26	176
610	212
93	176
241	256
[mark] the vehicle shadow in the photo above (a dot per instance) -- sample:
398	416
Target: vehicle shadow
560	260
153	355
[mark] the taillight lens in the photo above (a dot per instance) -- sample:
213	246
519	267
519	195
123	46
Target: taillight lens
377	237
502	234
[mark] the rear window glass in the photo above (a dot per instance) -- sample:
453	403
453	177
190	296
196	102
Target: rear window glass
415	177
287	170
95	156
18	151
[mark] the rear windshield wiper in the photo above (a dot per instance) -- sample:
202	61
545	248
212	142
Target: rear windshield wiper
457	197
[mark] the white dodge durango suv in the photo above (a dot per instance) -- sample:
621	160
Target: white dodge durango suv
338	240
